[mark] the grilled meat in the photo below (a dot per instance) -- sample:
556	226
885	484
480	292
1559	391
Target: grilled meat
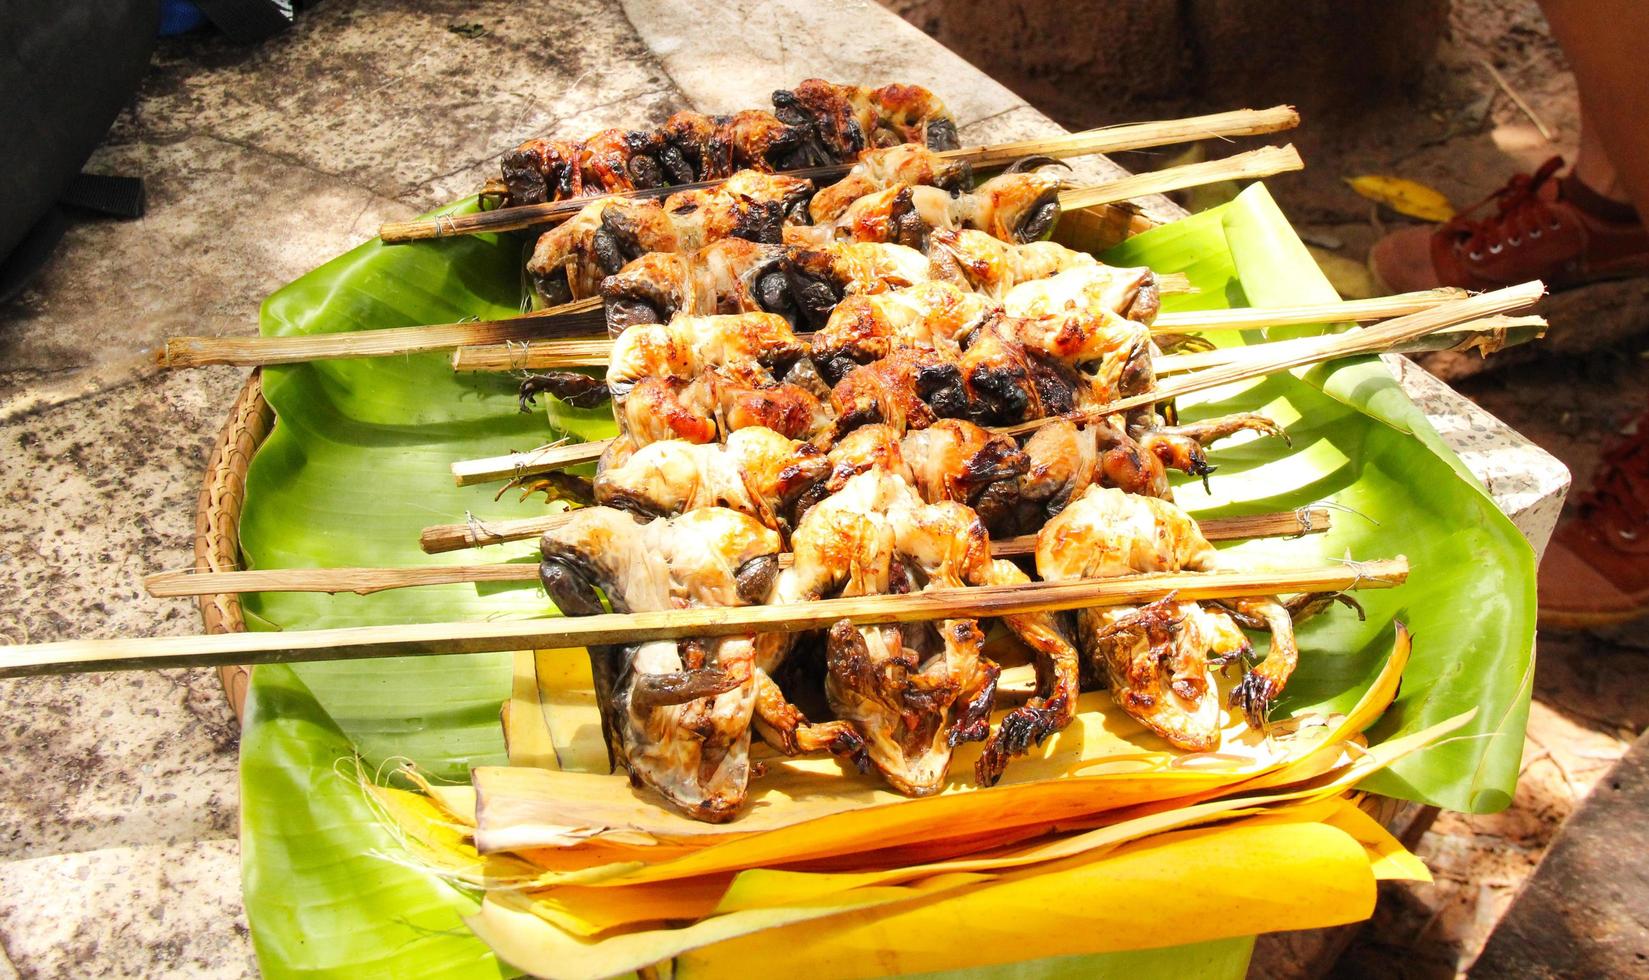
570	260
678	714
877	170
817	123
1015	207
913	691
757	472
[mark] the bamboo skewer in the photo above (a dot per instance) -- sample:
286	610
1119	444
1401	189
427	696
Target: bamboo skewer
578	318
1365	340
1136	136
1131	136
364	642
1339	311
582	317
468	472
1487	335
1242	364
365	581
442	538
1263	162
596	351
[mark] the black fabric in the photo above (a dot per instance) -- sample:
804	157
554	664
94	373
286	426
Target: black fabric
66	69
31	252
117	197
244	21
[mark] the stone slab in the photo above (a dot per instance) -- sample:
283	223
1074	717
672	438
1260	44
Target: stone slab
1585	912
60	915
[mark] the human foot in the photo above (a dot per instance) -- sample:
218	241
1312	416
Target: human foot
1596	570
1556	230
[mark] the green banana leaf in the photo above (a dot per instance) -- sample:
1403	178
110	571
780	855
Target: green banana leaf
358	465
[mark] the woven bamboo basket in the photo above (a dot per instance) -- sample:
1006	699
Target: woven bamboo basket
217	519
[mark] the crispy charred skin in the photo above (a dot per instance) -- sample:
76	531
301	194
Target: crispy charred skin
820	277
878	170
816	123
912	691
542	170
571	259
572	387
728	276
908	389
757	472
994	380
865	328
960	461
679	715
687	148
845	120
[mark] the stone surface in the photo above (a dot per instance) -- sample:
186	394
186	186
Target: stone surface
1586	910
186	897
117	825
1325	57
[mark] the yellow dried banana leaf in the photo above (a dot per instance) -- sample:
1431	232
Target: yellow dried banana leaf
583	931
527	736
1168	890
810	809
509	923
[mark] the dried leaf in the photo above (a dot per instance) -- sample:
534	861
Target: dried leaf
1351	279
1404	196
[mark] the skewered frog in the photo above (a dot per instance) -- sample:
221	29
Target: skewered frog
570	260
816	123
913	690
678	714
1014	206
1158	659
757	472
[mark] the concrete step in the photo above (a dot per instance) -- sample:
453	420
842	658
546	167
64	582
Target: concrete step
1585	912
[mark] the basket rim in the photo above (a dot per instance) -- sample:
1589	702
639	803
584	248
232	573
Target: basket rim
217	519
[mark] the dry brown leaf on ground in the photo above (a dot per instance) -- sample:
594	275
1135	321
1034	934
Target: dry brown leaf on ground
1351	278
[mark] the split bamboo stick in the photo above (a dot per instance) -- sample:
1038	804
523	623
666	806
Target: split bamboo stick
596	351
545	459
1108	139
580	317
439	539
1252	165
1364	340
365	581
1486	335
1339	311
364	642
